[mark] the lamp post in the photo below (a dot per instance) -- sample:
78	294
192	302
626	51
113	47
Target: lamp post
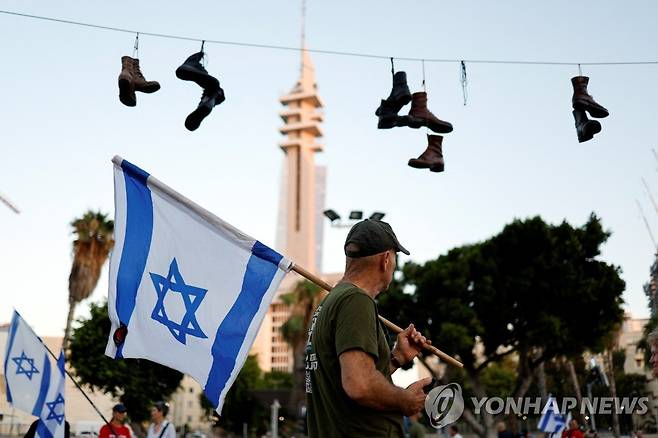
353	217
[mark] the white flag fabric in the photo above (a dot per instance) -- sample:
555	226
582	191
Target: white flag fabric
52	421
552	421
187	290
27	367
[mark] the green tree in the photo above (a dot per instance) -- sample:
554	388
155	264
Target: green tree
90	250
136	382
534	291
239	405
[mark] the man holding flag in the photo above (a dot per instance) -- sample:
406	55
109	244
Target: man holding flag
348	361
33	384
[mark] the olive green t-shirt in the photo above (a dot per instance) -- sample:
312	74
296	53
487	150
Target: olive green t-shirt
345	320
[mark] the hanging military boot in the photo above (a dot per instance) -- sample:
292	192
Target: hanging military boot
192	70
583	101
400	94
209	99
140	83
585	128
419	115
432	157
388	116
126	84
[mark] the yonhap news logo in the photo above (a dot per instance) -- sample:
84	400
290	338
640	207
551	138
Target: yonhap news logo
444	404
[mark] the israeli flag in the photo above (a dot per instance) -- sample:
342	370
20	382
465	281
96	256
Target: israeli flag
187	290
27	368
552	421
52	420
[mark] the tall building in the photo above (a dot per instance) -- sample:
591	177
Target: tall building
301	203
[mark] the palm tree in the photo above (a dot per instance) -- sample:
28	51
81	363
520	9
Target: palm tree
304	298
90	250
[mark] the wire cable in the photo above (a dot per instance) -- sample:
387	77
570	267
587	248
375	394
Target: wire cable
320	51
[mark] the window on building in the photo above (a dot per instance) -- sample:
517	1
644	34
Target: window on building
191	390
189	418
189	404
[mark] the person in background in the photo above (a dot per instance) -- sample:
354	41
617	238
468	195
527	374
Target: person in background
117	429
160	427
416	430
31	432
453	431
503	432
573	431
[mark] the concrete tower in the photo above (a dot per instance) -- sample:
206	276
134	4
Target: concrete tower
301	203
299	230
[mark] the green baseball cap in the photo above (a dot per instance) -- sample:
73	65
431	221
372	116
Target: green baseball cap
372	237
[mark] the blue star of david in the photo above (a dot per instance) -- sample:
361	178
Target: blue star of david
20	360
52	409
192	297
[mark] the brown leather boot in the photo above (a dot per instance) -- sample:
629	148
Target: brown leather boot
126	84
419	115
432	157
583	101
585	128
140	83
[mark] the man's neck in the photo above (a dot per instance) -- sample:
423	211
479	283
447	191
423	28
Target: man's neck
116	422
370	287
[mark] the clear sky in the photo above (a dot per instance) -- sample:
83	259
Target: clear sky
513	153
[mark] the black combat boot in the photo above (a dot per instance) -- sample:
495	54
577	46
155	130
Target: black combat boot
585	128
400	94
192	70
209	99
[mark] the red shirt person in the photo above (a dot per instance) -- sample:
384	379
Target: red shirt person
573	431
118	430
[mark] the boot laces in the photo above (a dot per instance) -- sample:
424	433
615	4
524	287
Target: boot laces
137	71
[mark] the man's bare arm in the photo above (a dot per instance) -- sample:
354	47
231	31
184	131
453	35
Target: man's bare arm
368	387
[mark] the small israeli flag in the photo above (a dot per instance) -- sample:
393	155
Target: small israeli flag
27	367
52	420
187	290
552	421
33	384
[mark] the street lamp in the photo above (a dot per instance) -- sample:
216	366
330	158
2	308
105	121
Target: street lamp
353	217
331	215
356	215
377	216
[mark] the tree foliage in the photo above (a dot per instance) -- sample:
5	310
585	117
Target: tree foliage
534	291
136	382
240	405
91	247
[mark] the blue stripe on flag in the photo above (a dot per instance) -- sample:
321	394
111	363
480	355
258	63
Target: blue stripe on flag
261	268
137	241
12	335
42	430
134	171
543	421
43	391
60	363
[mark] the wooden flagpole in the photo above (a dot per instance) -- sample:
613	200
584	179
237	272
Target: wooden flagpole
391	326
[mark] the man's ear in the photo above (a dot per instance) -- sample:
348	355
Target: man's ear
386	259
